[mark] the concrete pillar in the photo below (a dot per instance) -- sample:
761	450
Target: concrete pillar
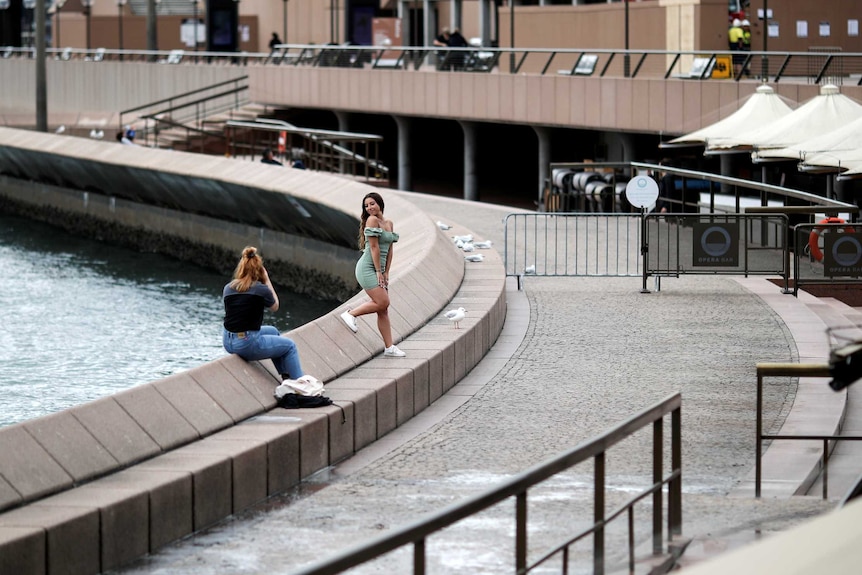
406	24
620	147
485	22
728	169
427	23
471	181
152	32
405	177
544	162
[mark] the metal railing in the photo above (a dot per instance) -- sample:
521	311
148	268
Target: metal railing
194	107
549	245
714	244
517	489
793	370
827	253
598	243
806	67
348	153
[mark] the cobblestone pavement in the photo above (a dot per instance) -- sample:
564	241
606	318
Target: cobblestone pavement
596	351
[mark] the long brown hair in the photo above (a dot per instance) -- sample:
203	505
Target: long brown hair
248	270
364	216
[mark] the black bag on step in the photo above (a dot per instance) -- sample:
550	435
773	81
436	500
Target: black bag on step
295	401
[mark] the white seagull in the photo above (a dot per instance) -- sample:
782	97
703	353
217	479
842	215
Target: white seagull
474	258
443	226
463	239
456	315
486	245
468	247
530	270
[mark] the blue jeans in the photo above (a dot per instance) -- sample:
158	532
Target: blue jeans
267	343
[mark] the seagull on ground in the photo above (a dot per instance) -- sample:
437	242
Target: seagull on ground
464	239
474	258
456	315
468	247
530	270
60	130
486	245
443	226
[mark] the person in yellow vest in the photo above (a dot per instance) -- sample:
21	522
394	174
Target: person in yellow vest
734	43
746	41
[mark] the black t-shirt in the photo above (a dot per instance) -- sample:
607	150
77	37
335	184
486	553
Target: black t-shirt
243	311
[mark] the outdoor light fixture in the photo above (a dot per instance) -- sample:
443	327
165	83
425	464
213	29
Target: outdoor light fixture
88	4
284	26
195	23
120	6
4	4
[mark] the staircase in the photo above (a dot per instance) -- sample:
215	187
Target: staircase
207	135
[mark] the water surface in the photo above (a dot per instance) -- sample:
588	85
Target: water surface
80	319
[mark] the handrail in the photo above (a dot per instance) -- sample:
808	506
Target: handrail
807	67
517	487
791	370
322	138
172	107
736	183
183	95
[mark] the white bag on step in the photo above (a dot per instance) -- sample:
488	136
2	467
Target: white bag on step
307	385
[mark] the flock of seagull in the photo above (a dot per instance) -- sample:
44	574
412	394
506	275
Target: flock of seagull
467	244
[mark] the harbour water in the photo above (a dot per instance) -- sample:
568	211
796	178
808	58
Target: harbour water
80	319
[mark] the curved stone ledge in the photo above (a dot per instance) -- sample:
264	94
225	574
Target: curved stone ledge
93	487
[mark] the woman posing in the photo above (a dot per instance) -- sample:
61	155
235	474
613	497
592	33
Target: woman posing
245	298
376	236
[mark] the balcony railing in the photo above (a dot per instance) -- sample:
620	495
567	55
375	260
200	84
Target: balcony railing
814	67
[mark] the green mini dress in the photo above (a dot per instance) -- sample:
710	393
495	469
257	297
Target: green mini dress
365	274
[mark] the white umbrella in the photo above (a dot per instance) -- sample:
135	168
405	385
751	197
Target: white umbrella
854	171
762	108
847	138
827	111
832	161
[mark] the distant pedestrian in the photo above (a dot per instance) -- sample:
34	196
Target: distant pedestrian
268	158
442	39
274	41
746	42
735	45
457	59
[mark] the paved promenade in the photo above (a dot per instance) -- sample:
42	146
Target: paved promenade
577	356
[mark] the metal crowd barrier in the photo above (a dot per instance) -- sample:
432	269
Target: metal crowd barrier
827	253
572	244
737	244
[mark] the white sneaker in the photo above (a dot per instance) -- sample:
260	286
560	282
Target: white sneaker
350	321
393	351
